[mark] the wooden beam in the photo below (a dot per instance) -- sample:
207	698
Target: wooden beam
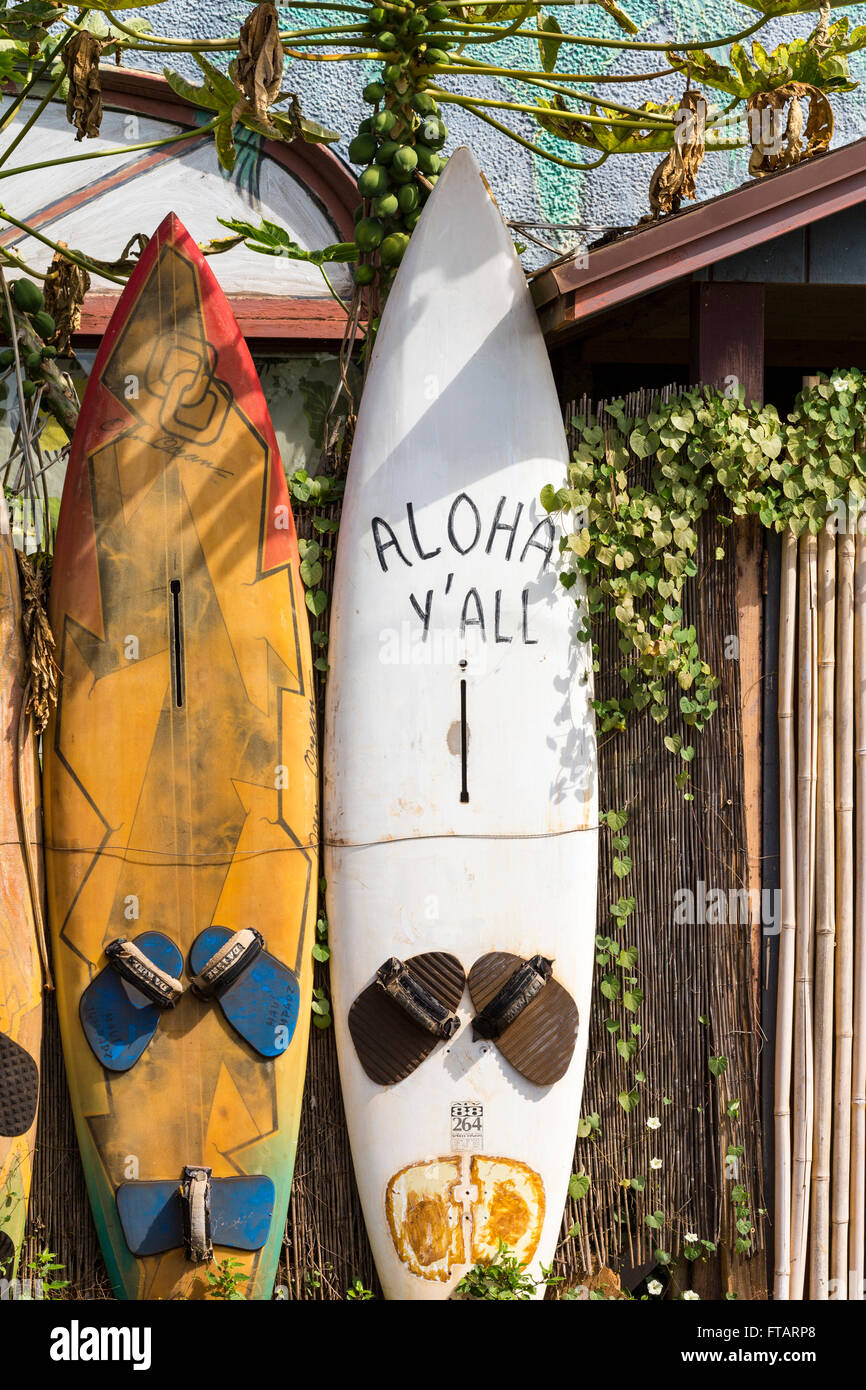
297	322
728	351
728	336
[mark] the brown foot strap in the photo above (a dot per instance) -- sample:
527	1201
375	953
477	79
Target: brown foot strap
526	1012
401	1017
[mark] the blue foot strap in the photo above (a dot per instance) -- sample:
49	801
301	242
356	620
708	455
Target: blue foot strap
257	993
118	1018
155	1216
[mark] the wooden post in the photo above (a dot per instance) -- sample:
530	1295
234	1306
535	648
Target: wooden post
727	323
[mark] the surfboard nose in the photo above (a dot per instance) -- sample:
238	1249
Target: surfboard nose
171	229
462	164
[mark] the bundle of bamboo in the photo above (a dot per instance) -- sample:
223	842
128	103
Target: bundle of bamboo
820	1062
857	1224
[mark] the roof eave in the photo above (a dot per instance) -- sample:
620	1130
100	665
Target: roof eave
651	258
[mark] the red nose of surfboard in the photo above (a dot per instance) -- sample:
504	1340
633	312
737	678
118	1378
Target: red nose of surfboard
172	230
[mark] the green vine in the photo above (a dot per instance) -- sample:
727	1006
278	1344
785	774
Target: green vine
637	489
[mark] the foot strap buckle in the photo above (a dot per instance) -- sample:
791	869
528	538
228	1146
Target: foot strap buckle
195	1201
413	997
133	965
508	1004
228	963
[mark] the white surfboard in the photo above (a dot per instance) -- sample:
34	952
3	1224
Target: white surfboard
460	789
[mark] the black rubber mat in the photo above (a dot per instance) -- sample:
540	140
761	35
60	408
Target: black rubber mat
19	1088
7	1256
540	1042
390	1044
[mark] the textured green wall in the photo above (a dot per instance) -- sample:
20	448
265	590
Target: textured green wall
527	186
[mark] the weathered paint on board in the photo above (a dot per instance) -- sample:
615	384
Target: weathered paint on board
460	802
181	766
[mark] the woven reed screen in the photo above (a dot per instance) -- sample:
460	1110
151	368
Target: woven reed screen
687	971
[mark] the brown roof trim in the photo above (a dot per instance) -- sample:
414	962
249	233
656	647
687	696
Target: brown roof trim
304	324
679	245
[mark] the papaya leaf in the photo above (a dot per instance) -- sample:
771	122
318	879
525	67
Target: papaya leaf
549	44
224	92
272	240
225	145
197	95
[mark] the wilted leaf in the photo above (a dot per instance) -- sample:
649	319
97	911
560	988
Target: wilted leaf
66	285
84	93
258	69
675	177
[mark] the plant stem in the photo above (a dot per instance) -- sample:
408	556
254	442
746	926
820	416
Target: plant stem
158	43
632	45
527	144
643	116
650	123
9	258
469	67
106	154
64	250
331	57
28	125
22	96
334	294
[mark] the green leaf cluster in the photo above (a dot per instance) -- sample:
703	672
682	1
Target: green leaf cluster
637	489
219	95
822	66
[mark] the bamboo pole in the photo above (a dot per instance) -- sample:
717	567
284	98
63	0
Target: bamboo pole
803	1088
825	923
857	1223
787	860
841	1173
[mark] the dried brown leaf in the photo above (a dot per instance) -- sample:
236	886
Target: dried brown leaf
675	178
84	98
65	287
819	125
774	148
258	71
38	640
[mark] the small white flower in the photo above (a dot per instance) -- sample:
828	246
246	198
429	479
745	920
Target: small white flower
653	1122
655	1163
690	1294
692	1237
653	1287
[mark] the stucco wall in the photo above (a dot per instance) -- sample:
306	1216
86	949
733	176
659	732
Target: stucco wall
525	185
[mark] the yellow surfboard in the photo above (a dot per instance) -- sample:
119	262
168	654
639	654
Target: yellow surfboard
20	968
181	794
